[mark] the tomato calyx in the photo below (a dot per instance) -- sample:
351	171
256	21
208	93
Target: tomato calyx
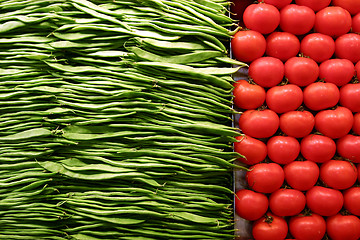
268	219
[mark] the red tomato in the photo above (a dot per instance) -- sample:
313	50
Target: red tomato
355	27
301	175
287	202
318	46
352	200
356	125
248	45
337	71
301	71
265	177
341	227
349	147
297	124
250	205
270	227
282	45
248	96
307	227
266	71
284	98
324	201
297	19
350	5
357	70
317	148
315	5
252	149
278	3
319	96
262	17
348	46
259	124
350	96
334	123
338	174
333	21
238	7
283	149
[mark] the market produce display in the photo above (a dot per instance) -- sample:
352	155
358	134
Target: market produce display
115	119
299	120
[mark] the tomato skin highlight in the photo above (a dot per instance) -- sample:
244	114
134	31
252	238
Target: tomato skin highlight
317	148
352	200
283	149
337	71
315	5
248	96
319	95
334	123
297	124
333	21
350	96
324	201
282	45
287	202
284	98
252	149
301	71
348	46
259	124
266	71
301	175
265	177
250	205
307	227
263	18
277	229
348	147
297	19
248	45
341	227
317	46
338	174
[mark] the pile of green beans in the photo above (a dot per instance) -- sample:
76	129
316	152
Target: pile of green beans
115	119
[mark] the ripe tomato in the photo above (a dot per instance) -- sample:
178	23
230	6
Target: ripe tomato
349	147
317	148
259	124
265	177
282	45
297	124
238	7
348	46
287	202
350	5
283	149
262	17
356	125
341	227
284	98
350	96
297	19
324	201
250	205
319	96
315	5
248	96
333	21
248	45
318	46
338	174
357	70
278	3
307	227
252	149
301	175
337	71
334	123
301	71
266	71
270	227
355	27
352	200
